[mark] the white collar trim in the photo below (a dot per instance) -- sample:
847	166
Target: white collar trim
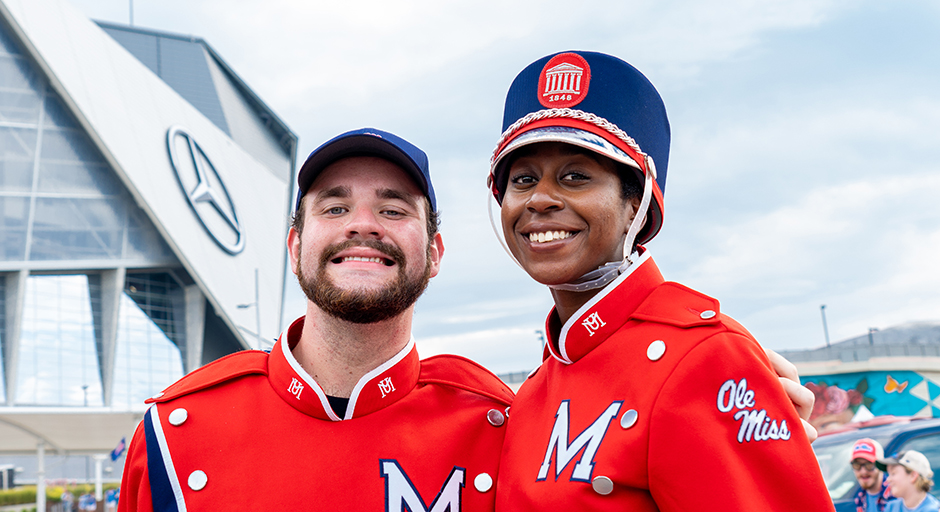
562	354
350	409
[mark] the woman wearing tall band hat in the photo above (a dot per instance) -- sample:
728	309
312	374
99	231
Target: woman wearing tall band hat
648	397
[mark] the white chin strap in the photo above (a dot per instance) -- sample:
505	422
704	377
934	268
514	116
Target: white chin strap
607	272
498	230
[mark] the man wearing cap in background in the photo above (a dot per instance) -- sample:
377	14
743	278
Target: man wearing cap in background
909	479
874	493
341	415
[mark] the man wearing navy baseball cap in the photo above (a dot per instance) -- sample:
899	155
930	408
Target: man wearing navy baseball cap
341	415
367	154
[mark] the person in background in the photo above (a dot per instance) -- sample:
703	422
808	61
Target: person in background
874	493
909	479
67	501
87	502
111	499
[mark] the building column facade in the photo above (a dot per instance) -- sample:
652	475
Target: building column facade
14	291
195	327
106	289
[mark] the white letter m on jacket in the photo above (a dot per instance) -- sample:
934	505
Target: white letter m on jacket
589	440
401	495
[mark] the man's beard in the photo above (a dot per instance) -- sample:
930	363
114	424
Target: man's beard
364	306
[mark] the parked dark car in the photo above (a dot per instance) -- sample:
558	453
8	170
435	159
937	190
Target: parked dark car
896	434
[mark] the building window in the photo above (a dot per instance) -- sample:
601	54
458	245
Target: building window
150	327
59	200
58	363
146	360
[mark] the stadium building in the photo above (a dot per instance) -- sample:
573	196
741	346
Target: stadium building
893	371
145	191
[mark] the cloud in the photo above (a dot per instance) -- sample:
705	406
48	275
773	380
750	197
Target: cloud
317	60
824	141
676	40
500	350
804	150
867	249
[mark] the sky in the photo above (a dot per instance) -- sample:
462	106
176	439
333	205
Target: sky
805	160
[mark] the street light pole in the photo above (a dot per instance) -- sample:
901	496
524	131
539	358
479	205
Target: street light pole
541	336
822	308
257	305
257	311
41	476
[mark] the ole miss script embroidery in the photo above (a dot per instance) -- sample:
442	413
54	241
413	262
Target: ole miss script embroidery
755	424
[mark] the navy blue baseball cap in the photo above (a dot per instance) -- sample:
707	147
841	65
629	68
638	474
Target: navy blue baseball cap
594	101
368	142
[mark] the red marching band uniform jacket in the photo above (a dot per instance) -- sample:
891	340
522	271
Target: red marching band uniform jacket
650	399
253	431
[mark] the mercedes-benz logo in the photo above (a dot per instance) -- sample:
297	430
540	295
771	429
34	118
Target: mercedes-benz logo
204	190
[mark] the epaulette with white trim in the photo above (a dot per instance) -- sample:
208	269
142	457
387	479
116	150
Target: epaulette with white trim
227	368
675	304
463	373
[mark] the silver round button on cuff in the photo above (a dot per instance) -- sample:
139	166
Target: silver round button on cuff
197	480
495	417
178	417
628	419
483	482
656	350
602	485
707	314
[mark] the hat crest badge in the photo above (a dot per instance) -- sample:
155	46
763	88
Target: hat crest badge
564	81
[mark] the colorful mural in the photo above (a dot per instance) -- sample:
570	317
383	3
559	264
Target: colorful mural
842	398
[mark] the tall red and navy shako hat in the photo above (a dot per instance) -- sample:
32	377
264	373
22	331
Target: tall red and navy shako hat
594	101
368	142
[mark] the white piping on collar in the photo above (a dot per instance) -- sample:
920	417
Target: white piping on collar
350	409
299	370
563	335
